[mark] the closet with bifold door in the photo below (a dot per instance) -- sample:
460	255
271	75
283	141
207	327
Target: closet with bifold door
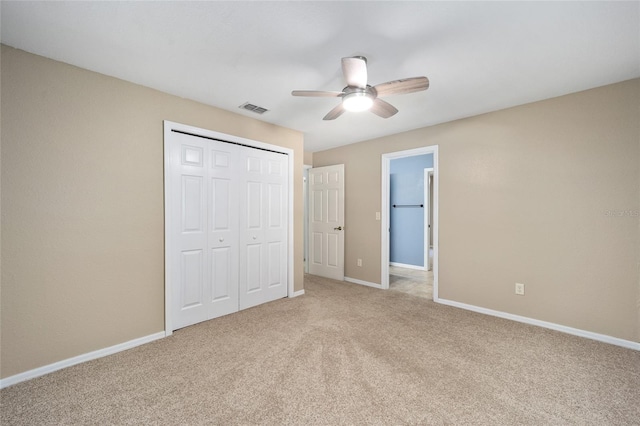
229	226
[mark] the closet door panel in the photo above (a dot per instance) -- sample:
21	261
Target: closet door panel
274	262
253	205
263	228
189	232
278	221
254	268
223	228
221	274
275	181
250	283
192	278
276	239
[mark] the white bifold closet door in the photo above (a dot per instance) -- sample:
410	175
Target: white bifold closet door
229	226
263	226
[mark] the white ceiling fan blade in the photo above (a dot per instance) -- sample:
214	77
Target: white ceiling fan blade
405	85
335	113
316	93
383	109
355	71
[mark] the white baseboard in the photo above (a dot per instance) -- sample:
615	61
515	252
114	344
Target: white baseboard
298	293
407	266
367	283
550	325
41	371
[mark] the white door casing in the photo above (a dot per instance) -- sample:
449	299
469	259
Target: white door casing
205	192
428	173
305	198
326	221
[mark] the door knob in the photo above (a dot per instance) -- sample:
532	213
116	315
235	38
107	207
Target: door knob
339	228
221	239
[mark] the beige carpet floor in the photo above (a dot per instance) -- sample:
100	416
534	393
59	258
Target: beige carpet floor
343	354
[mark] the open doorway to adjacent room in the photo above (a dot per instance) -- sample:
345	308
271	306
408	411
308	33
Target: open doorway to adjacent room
409	222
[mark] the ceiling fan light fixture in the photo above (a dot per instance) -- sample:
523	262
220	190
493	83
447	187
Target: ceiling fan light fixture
360	96
357	101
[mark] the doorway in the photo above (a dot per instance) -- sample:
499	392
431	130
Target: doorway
386	215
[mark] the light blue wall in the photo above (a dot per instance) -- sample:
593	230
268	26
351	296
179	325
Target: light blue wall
407	223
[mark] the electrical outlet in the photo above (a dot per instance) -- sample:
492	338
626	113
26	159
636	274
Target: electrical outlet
359	262
520	289
377	215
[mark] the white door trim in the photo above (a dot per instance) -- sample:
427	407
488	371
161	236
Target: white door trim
427	219
168	127
384	222
305	197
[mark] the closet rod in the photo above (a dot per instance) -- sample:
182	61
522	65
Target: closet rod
408	205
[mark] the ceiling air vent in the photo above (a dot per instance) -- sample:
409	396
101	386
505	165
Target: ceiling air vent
253	108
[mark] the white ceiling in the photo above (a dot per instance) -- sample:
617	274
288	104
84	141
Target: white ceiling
479	56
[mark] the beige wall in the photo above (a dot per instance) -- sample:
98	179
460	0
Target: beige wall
82	206
308	158
524	196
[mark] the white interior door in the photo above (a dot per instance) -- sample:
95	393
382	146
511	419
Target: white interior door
205	229
263	229
326	221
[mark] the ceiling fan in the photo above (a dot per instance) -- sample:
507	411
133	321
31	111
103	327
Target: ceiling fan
359	96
